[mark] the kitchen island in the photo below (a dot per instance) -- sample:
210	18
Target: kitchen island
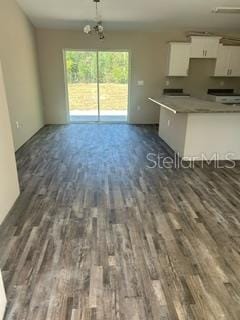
197	129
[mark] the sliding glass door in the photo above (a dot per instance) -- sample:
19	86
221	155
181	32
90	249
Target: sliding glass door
113	85
81	72
97	84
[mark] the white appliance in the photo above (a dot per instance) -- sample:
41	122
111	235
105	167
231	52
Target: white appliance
225	96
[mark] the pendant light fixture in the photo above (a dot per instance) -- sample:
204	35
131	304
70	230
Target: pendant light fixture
98	27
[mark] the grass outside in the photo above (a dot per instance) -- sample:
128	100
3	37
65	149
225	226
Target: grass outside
83	96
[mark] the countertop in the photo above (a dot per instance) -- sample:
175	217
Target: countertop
193	105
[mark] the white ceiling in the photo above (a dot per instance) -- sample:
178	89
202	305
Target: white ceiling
133	14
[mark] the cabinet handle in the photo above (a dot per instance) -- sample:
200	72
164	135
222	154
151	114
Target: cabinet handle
203	52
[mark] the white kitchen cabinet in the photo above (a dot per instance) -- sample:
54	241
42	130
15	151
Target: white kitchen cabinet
228	62
204	47
179	57
222	62
234	65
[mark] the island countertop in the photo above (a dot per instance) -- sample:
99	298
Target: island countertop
193	105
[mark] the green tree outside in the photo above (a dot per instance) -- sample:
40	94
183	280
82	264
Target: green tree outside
82	67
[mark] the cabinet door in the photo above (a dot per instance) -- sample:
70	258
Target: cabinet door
210	48
222	62
179	56
234	65
197	47
204	47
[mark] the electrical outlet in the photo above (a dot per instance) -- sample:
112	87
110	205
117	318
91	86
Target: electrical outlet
222	83
140	83
138	108
167	83
19	125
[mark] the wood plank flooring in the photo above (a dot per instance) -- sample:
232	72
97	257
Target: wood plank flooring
97	235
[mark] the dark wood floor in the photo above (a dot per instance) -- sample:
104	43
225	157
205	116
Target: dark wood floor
95	234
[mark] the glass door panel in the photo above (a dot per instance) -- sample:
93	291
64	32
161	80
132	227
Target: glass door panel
82	85
113	85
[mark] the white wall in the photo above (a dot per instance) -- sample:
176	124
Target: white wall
19	61
146	64
214	134
3	299
9	188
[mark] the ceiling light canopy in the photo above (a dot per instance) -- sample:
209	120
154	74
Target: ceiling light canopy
98	27
227	10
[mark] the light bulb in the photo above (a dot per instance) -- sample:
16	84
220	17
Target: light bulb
87	29
100	28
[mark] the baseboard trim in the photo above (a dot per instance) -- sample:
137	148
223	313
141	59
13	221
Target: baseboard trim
28	139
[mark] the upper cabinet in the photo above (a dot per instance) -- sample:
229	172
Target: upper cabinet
234	64
228	62
204	47
227	57
179	55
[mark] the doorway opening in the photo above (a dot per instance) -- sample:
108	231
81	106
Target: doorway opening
97	85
